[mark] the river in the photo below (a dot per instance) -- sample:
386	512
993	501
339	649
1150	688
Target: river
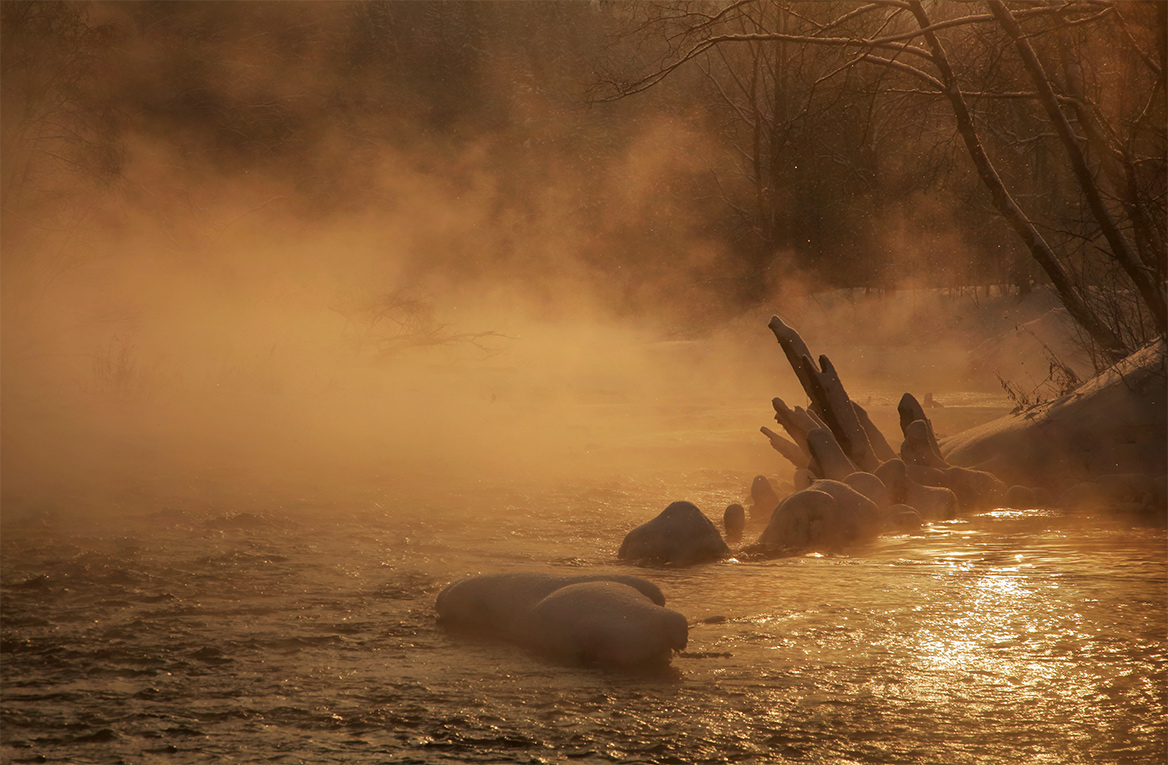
304	632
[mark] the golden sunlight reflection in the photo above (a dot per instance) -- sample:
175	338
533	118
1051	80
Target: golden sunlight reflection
998	638
1009	512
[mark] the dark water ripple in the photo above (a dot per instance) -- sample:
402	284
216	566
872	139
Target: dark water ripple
180	637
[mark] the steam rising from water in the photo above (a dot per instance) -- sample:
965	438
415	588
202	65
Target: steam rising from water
375	293
318	377
303	353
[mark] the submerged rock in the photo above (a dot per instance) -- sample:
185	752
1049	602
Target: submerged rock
902	518
975	489
763	498
1134	494
734	521
1025	497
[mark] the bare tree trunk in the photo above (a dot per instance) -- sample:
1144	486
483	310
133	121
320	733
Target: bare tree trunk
1115	163
1141	276
1106	338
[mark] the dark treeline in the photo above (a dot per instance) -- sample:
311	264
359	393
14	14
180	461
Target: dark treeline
710	151
336	104
1046	119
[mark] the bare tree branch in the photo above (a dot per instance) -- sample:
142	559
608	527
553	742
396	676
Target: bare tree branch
1152	293
1111	344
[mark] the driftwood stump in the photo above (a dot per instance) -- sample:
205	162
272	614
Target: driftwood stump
828	398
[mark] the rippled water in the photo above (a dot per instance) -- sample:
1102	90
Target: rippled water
307	634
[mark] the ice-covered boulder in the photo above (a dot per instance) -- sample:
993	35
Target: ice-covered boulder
871	487
496	603
806	521
611	619
933	503
681	535
860	518
607	623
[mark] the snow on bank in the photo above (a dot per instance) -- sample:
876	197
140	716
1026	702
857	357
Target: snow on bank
1116	422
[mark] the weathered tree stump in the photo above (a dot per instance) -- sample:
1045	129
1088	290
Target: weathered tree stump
828	398
793	453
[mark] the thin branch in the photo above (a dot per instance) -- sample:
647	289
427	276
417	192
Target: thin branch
908	69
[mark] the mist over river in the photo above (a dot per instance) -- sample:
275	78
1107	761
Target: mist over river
310	309
305	632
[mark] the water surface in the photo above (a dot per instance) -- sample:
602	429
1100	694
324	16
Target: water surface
305	633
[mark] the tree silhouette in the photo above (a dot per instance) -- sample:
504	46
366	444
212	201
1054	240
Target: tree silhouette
950	53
